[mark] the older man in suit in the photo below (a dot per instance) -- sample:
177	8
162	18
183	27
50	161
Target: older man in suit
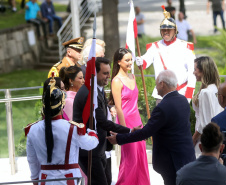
169	127
99	161
220	119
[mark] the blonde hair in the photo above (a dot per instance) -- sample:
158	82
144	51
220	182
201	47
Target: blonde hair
210	75
88	44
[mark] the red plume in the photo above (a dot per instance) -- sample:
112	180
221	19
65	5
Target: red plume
52	74
163	7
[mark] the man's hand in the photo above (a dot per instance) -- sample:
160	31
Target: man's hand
139	61
113	111
137	128
112	138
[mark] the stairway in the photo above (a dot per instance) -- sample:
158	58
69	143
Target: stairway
50	55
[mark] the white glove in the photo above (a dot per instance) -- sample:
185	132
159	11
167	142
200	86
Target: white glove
139	61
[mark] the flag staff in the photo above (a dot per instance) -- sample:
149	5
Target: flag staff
141	67
143	81
91	109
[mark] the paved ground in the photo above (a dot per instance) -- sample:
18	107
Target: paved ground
23	173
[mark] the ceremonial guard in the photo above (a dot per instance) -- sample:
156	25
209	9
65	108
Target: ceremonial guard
53	143
73	50
173	54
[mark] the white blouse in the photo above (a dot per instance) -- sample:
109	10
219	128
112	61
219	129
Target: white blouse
208	107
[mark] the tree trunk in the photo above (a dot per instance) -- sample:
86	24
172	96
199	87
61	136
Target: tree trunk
182	7
111	31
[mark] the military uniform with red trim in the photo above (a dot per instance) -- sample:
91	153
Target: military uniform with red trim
175	55
65	151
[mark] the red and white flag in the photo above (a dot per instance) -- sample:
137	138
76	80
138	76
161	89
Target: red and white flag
90	69
131	33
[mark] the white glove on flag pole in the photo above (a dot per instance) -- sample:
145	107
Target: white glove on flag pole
131	33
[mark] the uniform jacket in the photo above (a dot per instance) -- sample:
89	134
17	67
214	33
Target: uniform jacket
178	57
169	127
56	68
37	155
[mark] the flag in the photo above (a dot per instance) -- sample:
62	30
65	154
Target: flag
90	69
131	33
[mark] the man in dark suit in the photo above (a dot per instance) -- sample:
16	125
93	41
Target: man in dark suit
98	175
220	119
169	127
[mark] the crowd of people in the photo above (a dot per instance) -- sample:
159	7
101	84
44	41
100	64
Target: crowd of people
56	147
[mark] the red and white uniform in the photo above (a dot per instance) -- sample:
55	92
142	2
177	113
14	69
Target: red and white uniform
37	155
177	56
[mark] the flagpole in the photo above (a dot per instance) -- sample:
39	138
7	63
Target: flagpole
91	110
143	81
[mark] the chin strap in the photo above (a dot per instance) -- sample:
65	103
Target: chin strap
171	41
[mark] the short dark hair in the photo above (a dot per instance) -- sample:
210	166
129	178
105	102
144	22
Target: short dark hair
100	60
211	138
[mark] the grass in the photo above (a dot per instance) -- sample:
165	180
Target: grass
11	19
23	112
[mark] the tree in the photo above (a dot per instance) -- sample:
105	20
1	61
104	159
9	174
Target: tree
111	31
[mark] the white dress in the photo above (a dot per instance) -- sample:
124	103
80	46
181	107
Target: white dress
208	108
178	57
37	155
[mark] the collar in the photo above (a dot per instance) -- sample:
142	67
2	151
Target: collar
100	88
170	42
57	117
168	93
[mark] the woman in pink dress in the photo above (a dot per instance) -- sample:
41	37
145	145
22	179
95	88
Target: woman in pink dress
133	168
72	78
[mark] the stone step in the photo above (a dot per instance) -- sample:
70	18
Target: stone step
49	52
54	46
49	59
43	66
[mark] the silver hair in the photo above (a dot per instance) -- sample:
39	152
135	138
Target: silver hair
168	77
85	53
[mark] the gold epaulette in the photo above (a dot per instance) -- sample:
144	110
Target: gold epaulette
27	128
55	70
57	64
79	125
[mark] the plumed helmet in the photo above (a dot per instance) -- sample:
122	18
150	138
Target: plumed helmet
168	22
55	97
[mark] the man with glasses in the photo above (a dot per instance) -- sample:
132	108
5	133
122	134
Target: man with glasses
73	50
220	119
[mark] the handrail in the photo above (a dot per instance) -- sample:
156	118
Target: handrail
65	32
80	180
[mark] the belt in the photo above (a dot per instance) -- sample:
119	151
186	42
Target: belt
59	166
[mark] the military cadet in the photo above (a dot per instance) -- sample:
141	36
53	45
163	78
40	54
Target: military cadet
173	54
73	50
53	143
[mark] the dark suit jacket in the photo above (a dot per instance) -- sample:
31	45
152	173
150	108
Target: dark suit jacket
220	119
103	125
170	127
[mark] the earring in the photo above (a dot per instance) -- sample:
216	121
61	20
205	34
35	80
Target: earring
71	84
